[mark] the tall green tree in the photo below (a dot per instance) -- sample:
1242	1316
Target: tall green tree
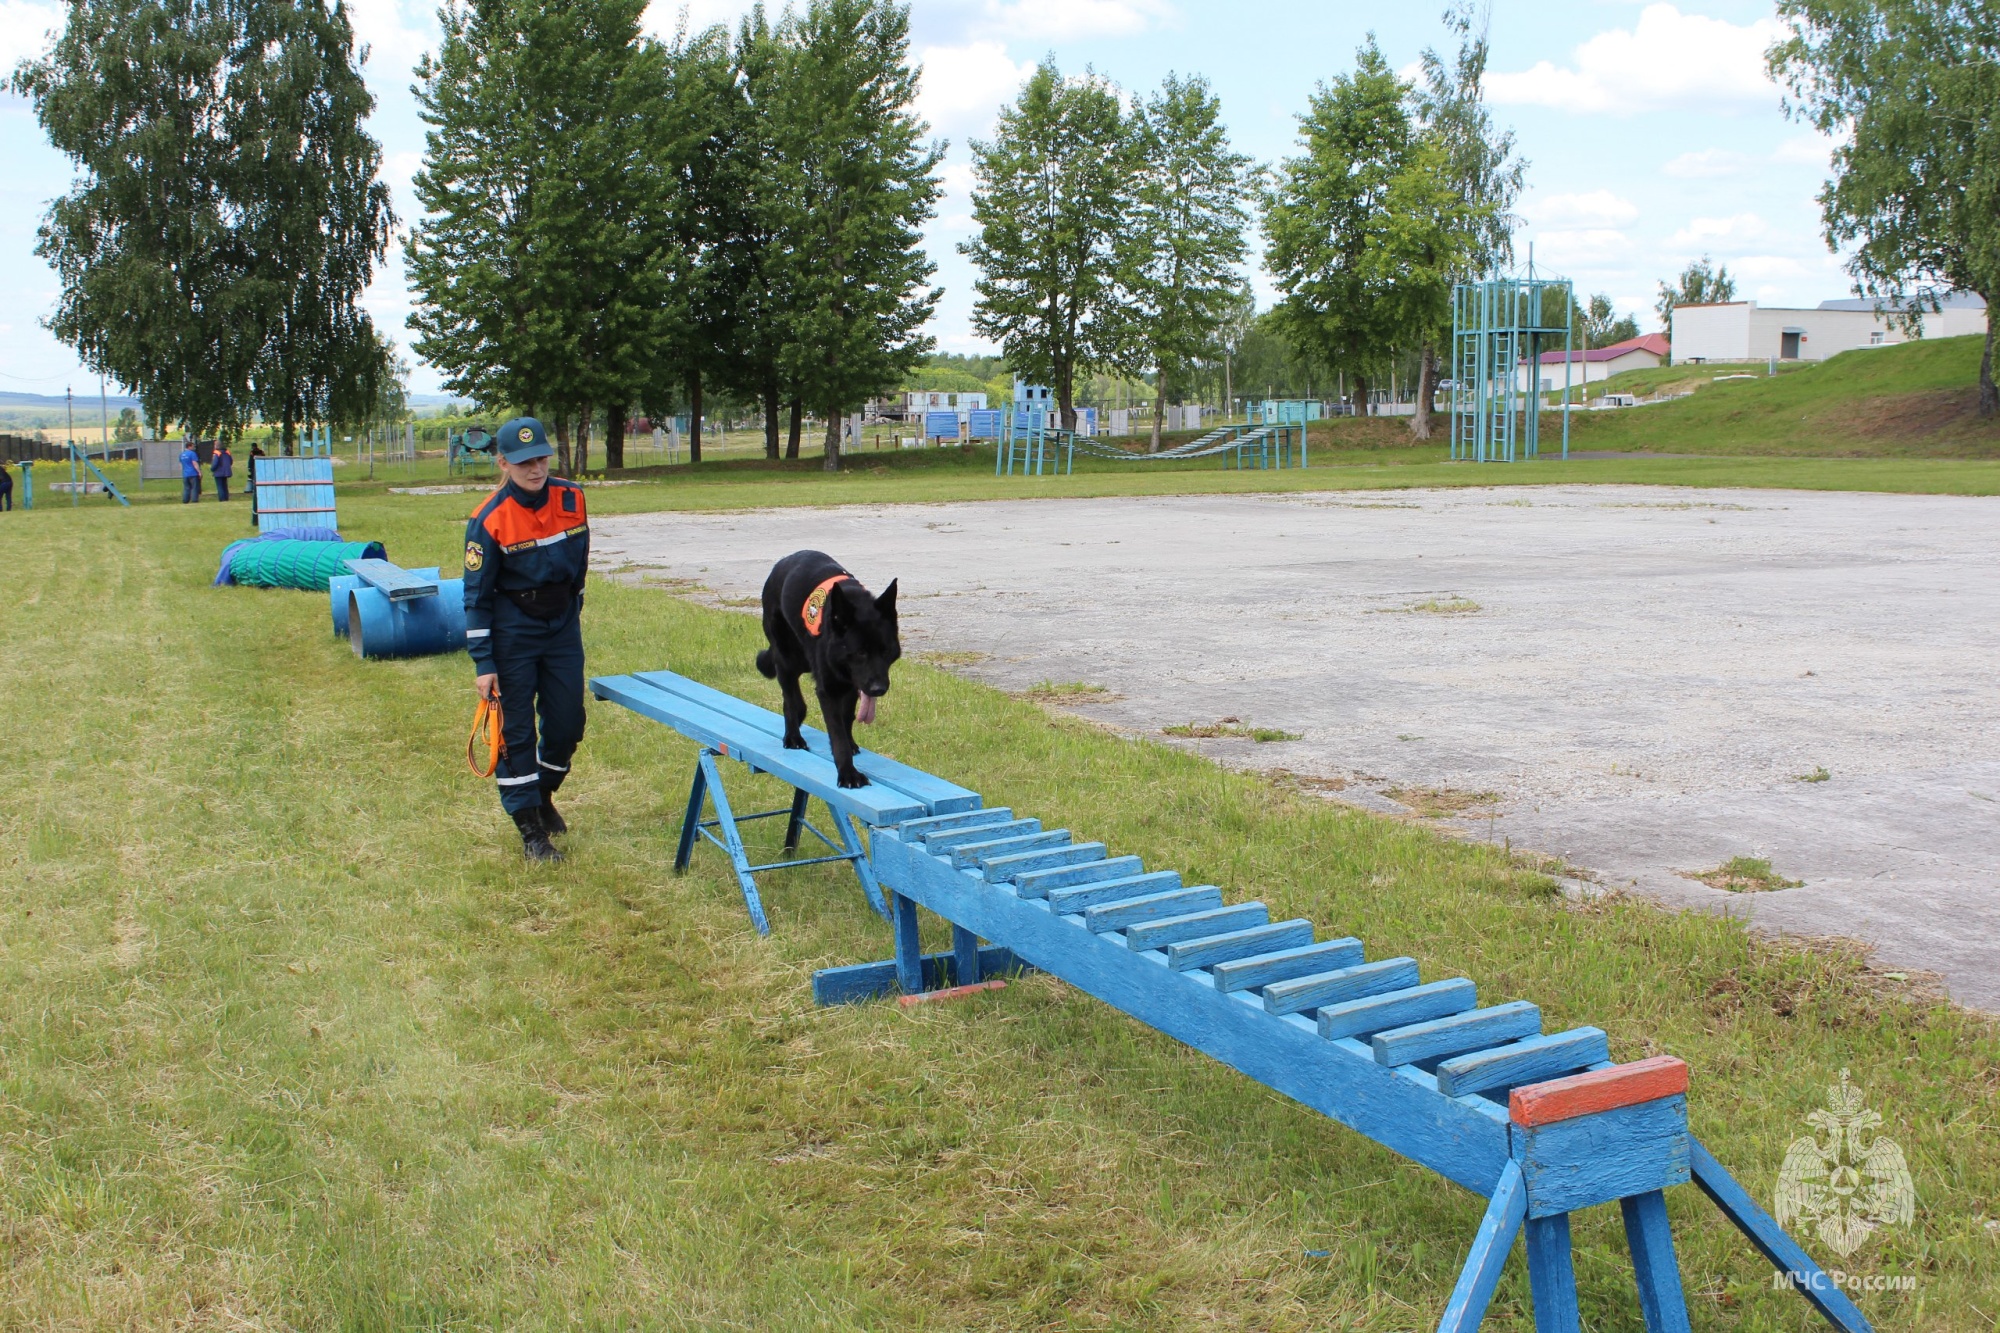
1472	229
227	216
1912	87
315	218
1700	283
855	182
1326	220
1049	200
540	266
1182	242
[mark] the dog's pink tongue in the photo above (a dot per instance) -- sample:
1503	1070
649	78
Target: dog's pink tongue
864	711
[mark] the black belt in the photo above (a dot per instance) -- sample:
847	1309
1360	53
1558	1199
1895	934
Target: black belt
550	601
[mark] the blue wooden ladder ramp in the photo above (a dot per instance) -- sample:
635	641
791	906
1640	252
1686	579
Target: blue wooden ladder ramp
1539	1124
726	727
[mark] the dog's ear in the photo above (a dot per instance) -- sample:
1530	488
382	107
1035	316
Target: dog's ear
886	603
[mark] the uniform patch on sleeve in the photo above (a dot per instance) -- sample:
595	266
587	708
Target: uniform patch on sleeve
474	557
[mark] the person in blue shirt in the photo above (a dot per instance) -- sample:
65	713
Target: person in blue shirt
527	548
190	475
222	466
6	486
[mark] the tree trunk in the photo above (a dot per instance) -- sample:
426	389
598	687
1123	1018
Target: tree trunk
562	444
614	438
771	417
798	424
1420	419
583	424
1066	397
291	436
1989	396
1159	410
833	425
1360	399
694	416
1228	390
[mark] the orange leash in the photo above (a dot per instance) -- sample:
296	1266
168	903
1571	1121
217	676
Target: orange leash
486	721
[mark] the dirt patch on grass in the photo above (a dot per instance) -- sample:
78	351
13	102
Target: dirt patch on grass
1744	874
1442	802
953	659
1226	727
1068	692
1943	414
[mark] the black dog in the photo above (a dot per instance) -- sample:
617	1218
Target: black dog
820	619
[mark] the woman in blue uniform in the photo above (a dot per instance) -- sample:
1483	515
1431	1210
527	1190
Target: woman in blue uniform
526	552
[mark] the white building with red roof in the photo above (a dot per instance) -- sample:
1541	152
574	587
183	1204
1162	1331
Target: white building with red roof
1599	363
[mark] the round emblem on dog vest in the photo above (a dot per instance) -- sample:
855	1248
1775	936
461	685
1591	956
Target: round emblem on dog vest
813	613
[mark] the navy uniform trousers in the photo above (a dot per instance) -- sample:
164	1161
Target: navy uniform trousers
540	660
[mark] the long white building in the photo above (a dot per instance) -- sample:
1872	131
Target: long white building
1746	331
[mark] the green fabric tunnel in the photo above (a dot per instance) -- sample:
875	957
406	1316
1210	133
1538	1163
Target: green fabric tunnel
297	564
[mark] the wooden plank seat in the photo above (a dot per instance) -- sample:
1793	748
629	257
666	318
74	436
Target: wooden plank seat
1539	1124
725	727
393	581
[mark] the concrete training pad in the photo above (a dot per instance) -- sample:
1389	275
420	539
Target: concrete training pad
1648	673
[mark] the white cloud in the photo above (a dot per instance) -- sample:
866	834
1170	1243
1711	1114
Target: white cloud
963	87
1708	164
26	29
1806	150
1764	268
1585	247
1046	21
1598	208
1707	231
1667	61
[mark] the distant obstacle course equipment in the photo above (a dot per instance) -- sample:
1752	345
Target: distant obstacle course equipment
294	493
726	727
1539	1124
78	458
1499	329
467	448
396	612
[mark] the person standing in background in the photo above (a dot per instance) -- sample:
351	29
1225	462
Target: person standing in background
190	474
222	466
6	487
256	452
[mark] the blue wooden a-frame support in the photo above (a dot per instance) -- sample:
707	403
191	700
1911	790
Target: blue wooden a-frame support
725	727
708	783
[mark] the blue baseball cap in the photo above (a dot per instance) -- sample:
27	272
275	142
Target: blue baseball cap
523	440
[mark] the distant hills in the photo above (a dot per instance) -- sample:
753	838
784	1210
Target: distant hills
116	402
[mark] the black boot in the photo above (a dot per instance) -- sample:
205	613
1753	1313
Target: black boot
552	819
535	844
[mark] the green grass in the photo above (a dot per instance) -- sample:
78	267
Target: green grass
1746	874
294	1039
1910	400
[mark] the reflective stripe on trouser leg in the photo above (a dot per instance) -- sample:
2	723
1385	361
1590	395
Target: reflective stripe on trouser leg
559	704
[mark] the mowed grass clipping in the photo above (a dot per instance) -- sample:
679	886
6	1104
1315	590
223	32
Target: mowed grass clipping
290	1037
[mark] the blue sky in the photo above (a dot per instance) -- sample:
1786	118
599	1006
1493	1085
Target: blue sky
1653	134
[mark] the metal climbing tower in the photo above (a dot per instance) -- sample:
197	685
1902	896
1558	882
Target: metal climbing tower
1500	329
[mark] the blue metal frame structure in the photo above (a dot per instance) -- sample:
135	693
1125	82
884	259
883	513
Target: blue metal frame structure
1499	326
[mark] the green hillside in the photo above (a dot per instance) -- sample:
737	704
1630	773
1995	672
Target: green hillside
1912	400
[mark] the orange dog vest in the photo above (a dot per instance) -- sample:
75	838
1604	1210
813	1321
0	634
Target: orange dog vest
814	611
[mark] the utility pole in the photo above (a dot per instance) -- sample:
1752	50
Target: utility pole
75	485
104	413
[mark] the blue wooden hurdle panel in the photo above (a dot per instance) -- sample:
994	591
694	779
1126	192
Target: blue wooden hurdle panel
726	727
1539	1124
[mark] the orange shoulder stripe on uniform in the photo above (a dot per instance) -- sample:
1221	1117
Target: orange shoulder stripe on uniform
512	524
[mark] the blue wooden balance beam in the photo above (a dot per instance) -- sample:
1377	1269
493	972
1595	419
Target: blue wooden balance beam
726	727
1540	1125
